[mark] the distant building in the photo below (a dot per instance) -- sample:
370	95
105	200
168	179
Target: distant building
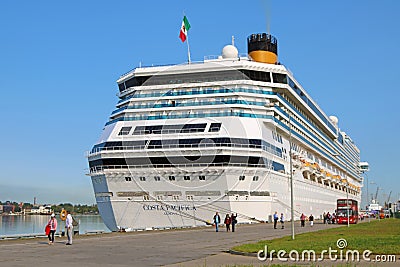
8	208
1	209
43	210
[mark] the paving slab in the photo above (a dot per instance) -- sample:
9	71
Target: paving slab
186	247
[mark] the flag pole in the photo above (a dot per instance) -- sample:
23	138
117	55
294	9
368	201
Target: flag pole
186	33
188	47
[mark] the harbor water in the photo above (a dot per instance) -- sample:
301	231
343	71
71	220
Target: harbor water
35	224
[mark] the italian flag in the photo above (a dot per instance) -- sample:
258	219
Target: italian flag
184	29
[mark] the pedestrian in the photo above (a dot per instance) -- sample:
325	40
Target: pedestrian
233	221
69	227
275	219
328	218
52	224
324	216
227	222
217	220
302	220
282	221
311	219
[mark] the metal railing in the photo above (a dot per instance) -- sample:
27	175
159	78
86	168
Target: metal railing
179	146
191	115
101	169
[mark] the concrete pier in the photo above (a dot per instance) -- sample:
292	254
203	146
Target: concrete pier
189	247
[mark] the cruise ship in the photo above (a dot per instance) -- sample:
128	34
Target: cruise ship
228	134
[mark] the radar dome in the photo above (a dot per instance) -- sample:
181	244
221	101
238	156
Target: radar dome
334	120
230	51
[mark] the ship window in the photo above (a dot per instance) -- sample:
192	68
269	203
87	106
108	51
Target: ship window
193	128
186	178
124	130
202	177
121	87
171	178
128	179
278	166
170	129
146	197
157	178
142	178
189	197
279	78
175	197
255	178
241	178
215	127
257	75
135	81
159	197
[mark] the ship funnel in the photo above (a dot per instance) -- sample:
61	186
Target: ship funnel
263	47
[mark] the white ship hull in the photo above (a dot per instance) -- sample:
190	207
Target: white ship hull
139	214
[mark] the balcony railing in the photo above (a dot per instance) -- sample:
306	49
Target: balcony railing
98	150
101	169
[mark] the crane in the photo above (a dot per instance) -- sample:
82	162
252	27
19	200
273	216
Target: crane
376	195
387	203
389	197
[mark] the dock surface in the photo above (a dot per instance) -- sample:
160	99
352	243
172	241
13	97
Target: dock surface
187	247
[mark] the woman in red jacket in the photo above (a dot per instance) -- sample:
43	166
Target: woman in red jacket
53	227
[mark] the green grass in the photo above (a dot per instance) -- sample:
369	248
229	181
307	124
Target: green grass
380	237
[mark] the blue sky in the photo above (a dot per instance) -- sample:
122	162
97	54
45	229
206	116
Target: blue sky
59	63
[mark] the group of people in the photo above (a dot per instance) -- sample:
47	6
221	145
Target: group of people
329	218
281	219
52	226
303	219
229	220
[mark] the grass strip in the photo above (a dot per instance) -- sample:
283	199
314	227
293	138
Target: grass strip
378	236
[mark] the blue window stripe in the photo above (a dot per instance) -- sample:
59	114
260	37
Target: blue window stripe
190	104
195	91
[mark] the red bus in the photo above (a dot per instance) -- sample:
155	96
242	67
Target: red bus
350	210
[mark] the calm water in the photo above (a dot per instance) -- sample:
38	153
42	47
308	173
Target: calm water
35	224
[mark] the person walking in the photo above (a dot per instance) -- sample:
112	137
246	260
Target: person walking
217	220
328	218
69	227
233	221
282	221
311	219
52	224
275	219
227	222
302	220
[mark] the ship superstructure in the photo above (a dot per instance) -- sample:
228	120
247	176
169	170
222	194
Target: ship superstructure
221	135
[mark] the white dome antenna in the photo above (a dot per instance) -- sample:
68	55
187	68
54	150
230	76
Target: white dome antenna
230	51
334	120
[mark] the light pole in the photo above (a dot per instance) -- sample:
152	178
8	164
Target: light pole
347	202
367	193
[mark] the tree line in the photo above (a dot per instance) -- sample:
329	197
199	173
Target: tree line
75	209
